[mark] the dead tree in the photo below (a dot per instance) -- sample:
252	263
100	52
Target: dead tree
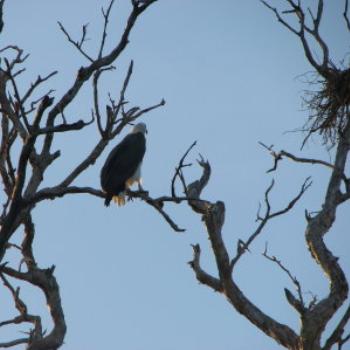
31	124
329	117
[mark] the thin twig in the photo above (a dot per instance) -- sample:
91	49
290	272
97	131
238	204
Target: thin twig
345	14
289	274
34	85
1	15
268	216
77	44
178	170
104	33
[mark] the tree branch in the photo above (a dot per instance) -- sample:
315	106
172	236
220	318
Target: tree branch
178	171
2	2
317	227
345	14
298	304
45	280
201	275
34	85
299	13
336	335
104	33
213	215
85	73
242	246
14	343
77	44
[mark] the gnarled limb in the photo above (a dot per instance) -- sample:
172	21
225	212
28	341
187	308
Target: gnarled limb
24	120
45	280
316	319
213	215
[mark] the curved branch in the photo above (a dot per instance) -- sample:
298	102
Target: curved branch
45	280
317	227
345	14
213	215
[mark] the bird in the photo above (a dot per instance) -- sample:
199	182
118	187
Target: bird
122	167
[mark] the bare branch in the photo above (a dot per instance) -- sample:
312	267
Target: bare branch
77	44
18	58
96	103
178	171
27	249
15	320
1	15
195	188
117	108
317	227
242	247
20	305
345	14
135	113
14	343
18	98
336	335
34	85
45	280
60	191
213	215
5	171
166	216
279	156
307	183
6	106
80	124
299	304
104	33
296	303
156	203
279	17
85	73
201	275
16	203
343	341
297	10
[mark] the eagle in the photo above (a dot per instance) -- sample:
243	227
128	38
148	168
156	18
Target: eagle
123	165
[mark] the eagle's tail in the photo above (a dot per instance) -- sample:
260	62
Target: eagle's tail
108	200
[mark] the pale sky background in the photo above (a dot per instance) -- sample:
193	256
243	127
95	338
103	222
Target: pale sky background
230	75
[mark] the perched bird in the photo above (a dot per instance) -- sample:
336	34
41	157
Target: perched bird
123	165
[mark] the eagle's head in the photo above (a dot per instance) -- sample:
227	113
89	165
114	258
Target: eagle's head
140	127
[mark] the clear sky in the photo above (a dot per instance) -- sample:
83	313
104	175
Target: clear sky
230	75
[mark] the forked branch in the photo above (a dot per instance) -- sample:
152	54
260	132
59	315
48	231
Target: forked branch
303	29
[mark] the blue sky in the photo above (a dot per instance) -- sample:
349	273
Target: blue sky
230	75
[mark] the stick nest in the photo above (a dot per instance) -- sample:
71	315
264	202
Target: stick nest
329	106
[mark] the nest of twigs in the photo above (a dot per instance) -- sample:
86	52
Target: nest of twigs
329	106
